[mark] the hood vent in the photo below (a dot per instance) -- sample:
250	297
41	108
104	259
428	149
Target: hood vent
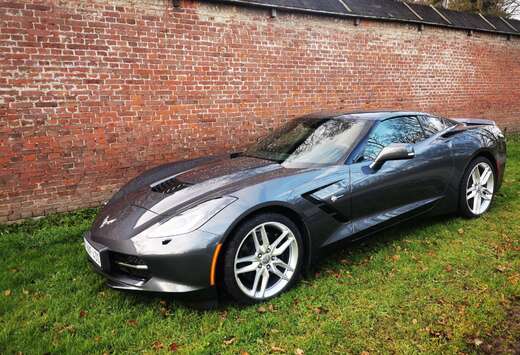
169	186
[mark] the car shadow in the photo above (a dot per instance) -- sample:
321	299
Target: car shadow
360	249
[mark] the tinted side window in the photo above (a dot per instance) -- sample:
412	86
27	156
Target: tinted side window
394	130
432	125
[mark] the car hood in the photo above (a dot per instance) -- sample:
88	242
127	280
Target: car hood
202	182
141	207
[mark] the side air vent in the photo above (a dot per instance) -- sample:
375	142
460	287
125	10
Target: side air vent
169	186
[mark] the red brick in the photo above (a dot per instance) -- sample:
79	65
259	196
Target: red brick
93	94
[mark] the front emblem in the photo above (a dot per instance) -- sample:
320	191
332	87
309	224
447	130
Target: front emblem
107	221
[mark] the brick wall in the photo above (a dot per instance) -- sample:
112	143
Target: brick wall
94	92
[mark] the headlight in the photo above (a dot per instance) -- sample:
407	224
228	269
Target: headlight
187	221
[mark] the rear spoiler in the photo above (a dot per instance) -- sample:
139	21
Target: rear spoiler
475	121
466	124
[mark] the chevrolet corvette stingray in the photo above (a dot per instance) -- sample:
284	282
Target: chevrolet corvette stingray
248	224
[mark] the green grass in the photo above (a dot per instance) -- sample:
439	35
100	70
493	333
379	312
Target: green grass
445	285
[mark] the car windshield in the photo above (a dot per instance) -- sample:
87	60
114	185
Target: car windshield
309	141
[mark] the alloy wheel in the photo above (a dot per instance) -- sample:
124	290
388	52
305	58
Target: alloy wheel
266	260
480	188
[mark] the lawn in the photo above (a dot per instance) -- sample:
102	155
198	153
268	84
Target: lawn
443	285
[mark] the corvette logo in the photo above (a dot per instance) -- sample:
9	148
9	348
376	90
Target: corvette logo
107	221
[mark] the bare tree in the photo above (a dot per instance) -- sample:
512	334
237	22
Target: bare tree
507	8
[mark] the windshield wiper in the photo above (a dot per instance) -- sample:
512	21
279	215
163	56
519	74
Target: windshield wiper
279	161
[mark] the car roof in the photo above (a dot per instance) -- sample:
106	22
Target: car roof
363	115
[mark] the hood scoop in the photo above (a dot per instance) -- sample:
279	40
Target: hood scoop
169	186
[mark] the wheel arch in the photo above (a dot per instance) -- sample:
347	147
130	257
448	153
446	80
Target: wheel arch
486	153
279	207
482	152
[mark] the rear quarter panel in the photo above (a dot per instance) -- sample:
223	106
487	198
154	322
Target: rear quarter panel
465	146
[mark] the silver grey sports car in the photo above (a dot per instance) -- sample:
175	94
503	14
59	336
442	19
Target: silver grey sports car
250	223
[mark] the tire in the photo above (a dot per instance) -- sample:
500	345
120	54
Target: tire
469	207
247	263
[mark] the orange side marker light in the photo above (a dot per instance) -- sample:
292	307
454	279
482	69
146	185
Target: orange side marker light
214	264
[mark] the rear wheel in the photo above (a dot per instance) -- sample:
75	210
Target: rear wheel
263	258
477	188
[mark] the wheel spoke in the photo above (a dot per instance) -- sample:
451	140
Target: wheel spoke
476	175
246	259
265	279
255	283
248	268
485	175
476	204
265	239
471	192
279	251
279	262
279	273
279	239
255	240
487	195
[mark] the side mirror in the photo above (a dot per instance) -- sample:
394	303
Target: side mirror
395	151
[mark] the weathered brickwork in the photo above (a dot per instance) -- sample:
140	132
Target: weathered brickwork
94	92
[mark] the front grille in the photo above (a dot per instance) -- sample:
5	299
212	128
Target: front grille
169	186
129	265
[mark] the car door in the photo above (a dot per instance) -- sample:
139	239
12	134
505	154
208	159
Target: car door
400	187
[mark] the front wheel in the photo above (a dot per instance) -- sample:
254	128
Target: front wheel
477	188
263	258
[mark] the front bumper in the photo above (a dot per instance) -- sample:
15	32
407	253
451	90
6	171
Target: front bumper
180	264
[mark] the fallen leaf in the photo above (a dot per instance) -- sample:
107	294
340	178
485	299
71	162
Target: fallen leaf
345	261
270	308
68	328
501	268
320	310
82	313
164	311
414	321
244	352
448	268
514	279
7	293
277	349
173	347
396	257
261	309
460	231
223	315
25	292
299	351
157	345
132	322
97	338
365	353
477	342
229	341
162	302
